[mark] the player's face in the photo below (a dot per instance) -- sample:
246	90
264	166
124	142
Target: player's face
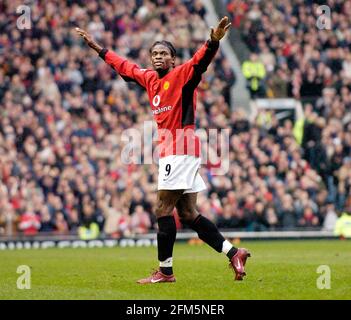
161	58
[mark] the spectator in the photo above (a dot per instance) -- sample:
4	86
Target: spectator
47	223
140	220
259	220
343	225
230	219
117	219
254	72
89	231
73	220
29	222
8	221
330	218
287	213
227	75
61	224
89	228
308	219
277	84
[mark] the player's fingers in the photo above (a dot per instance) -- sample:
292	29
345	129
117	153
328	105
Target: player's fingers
84	35
223	22
227	27
81	32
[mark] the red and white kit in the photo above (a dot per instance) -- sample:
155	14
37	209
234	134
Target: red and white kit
173	103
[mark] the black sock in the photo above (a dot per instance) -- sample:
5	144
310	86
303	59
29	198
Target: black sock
231	253
165	240
208	232
166	270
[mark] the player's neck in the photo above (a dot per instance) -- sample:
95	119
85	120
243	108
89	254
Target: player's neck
162	73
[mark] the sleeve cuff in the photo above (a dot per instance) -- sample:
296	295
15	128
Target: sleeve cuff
102	53
212	44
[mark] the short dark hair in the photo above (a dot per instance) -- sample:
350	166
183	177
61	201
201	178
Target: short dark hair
167	44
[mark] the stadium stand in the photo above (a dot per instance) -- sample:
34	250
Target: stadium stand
63	112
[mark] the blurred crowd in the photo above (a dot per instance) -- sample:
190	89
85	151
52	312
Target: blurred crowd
63	111
303	50
304	47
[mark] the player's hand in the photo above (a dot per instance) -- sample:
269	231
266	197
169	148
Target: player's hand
223	26
85	35
89	40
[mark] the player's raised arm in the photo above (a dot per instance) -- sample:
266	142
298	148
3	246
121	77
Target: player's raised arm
127	70
222	28
89	40
203	57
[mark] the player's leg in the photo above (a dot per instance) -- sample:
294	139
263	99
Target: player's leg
206	229
166	235
209	233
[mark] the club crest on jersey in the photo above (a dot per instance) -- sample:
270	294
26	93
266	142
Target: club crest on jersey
166	85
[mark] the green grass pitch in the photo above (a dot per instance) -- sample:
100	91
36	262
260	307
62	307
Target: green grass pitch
276	270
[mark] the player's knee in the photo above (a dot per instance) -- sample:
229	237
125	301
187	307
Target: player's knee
163	208
188	216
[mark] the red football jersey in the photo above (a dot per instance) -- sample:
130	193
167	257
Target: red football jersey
172	98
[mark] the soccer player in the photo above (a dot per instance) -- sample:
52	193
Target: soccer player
172	95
